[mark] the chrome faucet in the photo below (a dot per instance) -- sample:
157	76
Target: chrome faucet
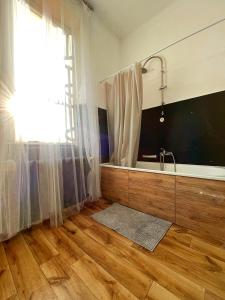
162	155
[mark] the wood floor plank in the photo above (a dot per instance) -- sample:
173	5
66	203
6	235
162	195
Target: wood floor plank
7	287
91	209
82	221
15	297
43	293
102	203
194	256
106	234
211	296
104	286
124	272
40	246
26	273
206	272
157	292
86	260
3	259
178	234
65	246
188	233
148	264
208	249
65	282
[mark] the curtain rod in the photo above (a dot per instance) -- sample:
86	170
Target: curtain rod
85	2
88	5
164	48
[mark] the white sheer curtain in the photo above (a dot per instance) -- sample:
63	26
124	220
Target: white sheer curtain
49	154
124	109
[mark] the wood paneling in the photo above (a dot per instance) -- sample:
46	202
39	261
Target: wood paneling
153	193
114	184
148	192
200	205
148	180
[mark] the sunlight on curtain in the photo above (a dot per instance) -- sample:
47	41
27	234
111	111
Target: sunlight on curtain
49	154
40	79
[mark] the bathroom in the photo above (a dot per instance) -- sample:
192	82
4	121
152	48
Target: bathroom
112	156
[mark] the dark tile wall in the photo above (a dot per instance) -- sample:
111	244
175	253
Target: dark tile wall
194	130
103	130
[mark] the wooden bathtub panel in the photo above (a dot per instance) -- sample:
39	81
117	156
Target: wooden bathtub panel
200	205
201	186
153	207
138	180
112	177
114	184
116	196
152	193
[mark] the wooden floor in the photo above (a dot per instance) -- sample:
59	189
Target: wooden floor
85	260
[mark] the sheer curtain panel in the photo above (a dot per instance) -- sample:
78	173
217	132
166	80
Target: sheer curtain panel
49	152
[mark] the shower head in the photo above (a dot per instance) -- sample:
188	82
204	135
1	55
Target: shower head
144	70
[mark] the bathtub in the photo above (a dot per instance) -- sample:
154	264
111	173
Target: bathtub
198	171
192	197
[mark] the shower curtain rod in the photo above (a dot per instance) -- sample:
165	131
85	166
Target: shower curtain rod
88	5
164	48
86	2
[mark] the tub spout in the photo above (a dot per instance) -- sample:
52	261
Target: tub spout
162	155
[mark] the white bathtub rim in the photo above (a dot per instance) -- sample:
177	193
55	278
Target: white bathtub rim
221	178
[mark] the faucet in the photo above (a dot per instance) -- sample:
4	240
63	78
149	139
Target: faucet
164	153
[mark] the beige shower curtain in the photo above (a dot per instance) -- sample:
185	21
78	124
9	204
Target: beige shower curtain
124	99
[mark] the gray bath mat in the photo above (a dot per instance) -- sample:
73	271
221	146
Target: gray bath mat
139	227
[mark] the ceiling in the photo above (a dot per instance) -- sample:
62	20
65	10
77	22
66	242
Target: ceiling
124	16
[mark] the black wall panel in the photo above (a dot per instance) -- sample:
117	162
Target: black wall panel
194	130
103	131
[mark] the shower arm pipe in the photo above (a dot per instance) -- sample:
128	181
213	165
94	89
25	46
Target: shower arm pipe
89	6
166	47
163	85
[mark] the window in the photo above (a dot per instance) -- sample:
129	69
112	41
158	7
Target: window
69	107
42	107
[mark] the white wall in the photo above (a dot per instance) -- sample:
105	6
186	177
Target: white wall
105	49
195	66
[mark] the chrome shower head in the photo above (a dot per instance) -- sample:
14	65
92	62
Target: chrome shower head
144	70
